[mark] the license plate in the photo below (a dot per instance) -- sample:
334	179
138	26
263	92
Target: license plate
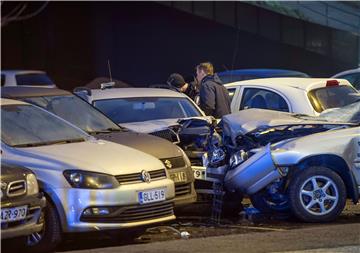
178	177
13	214
151	196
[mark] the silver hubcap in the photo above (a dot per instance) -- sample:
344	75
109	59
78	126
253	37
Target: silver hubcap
319	195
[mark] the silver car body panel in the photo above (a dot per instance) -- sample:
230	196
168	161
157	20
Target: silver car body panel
245	121
254	174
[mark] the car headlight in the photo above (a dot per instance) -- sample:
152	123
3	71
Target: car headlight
90	180
216	157
32	184
237	158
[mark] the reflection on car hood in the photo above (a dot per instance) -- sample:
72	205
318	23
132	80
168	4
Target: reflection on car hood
150	144
151	126
95	155
246	121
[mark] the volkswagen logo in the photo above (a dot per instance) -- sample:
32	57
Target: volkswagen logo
168	164
145	176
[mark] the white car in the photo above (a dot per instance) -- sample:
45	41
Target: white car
34	78
352	75
89	184
149	110
297	95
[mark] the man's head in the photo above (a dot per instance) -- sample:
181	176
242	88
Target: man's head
204	69
177	81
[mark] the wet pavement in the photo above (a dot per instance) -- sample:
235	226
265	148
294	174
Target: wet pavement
194	222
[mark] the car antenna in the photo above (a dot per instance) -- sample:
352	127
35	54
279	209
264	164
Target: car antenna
109	68
110	84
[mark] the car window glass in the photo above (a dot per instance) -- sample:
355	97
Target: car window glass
332	97
26	124
2	79
33	79
349	113
124	110
76	111
263	99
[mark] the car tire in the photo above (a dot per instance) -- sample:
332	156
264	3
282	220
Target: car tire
317	194
47	239
263	202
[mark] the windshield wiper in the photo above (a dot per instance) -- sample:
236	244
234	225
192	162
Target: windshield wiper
44	143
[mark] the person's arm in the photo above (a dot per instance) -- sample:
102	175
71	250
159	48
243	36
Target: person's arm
207	99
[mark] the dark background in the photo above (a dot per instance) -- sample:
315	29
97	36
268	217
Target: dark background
146	41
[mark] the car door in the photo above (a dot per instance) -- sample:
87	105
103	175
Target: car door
262	98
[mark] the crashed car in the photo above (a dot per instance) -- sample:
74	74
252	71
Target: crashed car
160	112
246	134
311	176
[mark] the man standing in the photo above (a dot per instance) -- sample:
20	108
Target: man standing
214	97
177	82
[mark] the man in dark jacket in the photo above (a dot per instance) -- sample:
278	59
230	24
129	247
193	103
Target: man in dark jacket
178	83
214	97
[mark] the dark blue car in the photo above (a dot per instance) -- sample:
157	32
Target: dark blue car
246	74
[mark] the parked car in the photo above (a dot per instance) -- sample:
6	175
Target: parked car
298	95
311	176
157	112
231	76
33	78
81	114
353	76
89	184
21	204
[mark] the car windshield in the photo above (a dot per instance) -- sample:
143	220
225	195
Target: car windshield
349	113
125	110
27	126
33	79
76	111
332	97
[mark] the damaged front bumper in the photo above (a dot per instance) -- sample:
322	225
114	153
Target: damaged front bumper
254	174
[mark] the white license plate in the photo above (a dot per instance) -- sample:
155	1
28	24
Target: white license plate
151	196
199	172
178	177
13	214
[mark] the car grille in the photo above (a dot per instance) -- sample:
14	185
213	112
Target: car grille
136	213
136	177
196	161
16	188
182	189
167	134
173	163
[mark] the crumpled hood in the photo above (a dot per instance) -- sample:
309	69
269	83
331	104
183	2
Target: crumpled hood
155	146
94	155
245	121
150	125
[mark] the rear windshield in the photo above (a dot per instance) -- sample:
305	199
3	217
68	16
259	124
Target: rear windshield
332	97
33	79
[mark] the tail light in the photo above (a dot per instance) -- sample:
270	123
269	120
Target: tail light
330	83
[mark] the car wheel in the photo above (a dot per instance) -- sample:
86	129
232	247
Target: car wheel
317	194
49	237
270	203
